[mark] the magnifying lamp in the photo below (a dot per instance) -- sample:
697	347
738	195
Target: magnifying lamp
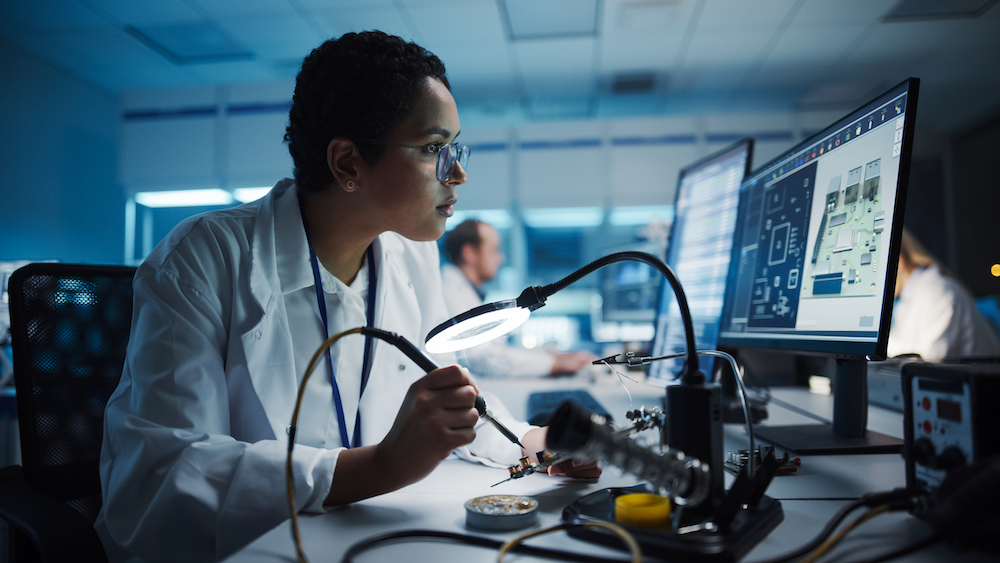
693	407
492	320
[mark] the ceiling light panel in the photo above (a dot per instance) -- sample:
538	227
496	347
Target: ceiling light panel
549	19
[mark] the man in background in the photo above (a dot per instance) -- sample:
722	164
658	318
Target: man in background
473	248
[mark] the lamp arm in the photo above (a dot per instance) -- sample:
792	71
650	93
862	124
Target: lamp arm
543	293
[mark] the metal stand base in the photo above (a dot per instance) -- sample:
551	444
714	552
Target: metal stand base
747	530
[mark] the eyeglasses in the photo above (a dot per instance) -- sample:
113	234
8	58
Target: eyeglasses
448	155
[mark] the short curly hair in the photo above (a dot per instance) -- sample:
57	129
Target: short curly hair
357	86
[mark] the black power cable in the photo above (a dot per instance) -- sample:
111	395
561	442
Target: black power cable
874	499
478	541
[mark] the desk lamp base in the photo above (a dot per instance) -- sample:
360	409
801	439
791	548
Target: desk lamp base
747	529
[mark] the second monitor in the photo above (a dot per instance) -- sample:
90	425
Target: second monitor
701	240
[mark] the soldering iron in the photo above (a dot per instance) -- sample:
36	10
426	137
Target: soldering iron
425	363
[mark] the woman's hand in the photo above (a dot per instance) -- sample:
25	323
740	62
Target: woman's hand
438	415
534	441
576	469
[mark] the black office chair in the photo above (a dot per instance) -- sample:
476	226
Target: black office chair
69	329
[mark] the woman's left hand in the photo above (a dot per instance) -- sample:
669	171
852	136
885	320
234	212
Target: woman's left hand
534	441
576	469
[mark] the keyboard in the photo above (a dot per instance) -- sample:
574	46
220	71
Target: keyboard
542	404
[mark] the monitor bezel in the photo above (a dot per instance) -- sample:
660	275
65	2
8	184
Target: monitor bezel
841	349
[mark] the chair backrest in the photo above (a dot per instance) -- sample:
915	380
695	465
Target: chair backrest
69	330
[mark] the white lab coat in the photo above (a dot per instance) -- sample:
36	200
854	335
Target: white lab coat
496	358
193	460
936	318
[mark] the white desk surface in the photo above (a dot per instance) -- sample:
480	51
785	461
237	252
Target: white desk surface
809	498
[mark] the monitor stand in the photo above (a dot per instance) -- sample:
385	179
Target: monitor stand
849	433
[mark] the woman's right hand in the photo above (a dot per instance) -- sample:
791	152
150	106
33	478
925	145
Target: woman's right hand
438	415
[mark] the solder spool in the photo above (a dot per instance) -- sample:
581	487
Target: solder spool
501	512
642	509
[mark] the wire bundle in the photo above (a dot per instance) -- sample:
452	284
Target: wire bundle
877	503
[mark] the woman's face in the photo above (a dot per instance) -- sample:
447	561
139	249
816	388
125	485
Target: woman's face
402	188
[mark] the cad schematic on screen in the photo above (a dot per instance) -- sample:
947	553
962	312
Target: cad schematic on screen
815	243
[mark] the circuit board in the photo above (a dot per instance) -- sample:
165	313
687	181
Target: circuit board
844	257
782	251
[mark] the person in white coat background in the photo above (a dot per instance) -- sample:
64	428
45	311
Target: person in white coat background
232	304
934	315
473	252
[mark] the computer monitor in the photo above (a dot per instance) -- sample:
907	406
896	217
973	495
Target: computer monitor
814	260
701	240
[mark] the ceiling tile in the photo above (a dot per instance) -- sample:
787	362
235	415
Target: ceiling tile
547	19
842	12
338	21
559	66
275	37
128	12
45	16
243	9
733	48
893	44
737	15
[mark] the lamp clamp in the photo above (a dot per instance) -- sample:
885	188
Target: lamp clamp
532	298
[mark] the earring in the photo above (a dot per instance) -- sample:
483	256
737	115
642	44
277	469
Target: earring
351	185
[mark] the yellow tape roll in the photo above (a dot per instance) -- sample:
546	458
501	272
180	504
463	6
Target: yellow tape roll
642	509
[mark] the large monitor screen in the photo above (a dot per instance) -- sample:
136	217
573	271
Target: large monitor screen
817	237
700	246
814	260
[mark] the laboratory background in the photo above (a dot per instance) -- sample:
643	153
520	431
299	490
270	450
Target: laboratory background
121	118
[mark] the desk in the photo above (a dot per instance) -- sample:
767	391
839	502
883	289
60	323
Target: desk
822	486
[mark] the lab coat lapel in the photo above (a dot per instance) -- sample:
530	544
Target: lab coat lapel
267	346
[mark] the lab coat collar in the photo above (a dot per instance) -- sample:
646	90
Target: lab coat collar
291	246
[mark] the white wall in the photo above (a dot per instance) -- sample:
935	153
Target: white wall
231	137
59	197
225	137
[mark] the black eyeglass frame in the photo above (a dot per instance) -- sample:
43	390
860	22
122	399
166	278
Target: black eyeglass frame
449	154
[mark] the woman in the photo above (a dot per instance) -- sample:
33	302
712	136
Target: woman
231	306
934	316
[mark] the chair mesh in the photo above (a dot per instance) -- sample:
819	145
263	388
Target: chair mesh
69	329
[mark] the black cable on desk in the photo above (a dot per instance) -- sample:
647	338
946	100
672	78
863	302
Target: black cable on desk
469	539
831	526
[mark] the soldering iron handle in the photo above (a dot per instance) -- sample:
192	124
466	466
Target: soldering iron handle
425	363
404	346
